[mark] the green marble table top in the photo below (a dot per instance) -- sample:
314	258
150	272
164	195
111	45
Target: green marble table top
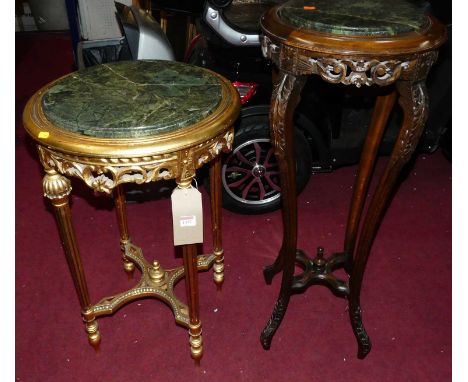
356	17
131	99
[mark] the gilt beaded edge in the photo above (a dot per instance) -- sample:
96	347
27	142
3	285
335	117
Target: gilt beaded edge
48	135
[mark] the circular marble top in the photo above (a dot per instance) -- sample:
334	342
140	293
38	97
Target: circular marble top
356	17
131	99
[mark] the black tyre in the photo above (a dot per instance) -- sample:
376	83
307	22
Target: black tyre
250	174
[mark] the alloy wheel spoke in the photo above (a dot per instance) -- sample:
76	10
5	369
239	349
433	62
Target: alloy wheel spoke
267	163
246	190
237	183
243	159
258	152
272	184
237	168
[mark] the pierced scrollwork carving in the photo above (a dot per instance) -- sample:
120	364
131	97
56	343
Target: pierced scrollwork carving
223	144
358	72
104	174
348	71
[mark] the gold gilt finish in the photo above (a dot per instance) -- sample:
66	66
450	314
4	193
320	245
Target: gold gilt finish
103	151
161	288
105	164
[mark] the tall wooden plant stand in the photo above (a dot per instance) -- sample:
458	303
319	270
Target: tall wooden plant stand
355	43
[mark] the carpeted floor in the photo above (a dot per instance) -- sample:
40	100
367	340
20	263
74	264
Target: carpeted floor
406	295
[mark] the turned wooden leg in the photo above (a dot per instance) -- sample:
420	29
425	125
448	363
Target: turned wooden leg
413	100
191	283
215	192
383	106
286	96
121	211
56	189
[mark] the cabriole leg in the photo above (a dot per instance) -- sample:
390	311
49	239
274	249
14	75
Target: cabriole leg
413	99
286	96
383	106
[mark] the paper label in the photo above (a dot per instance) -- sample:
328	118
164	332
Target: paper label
188	221
43	134
187	216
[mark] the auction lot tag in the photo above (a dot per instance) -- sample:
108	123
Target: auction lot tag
187	216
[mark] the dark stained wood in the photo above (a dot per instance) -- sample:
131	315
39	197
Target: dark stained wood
413	99
382	109
402	60
286	95
335	44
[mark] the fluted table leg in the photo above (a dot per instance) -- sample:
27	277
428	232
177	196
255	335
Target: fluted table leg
57	189
121	211
191	282
215	193
190	252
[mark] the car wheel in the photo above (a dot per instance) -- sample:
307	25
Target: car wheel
250	173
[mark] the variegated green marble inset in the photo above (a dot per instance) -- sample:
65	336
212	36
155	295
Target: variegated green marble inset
130	99
356	17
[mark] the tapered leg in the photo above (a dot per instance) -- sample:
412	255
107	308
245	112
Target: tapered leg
215	192
184	180
121	211
191	282
286	96
413	100
383	106
57	189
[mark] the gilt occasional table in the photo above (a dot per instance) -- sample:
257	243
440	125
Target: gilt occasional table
134	122
390	44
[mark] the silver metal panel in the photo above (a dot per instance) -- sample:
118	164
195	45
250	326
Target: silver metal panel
153	43
212	18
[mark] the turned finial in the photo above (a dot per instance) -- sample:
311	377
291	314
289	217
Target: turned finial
156	273
319	261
